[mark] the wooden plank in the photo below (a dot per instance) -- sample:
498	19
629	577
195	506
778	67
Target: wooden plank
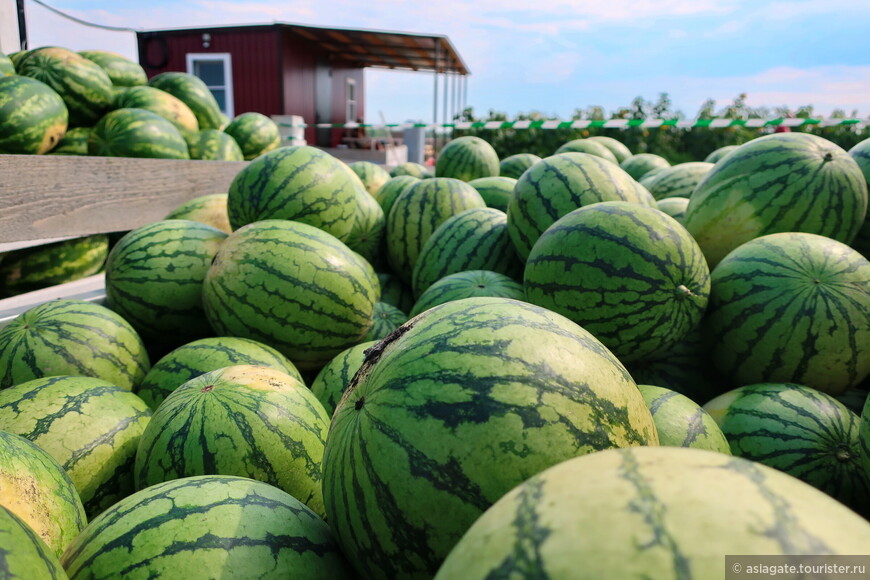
53	196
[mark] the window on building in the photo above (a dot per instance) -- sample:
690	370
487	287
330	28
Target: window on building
216	71
350	92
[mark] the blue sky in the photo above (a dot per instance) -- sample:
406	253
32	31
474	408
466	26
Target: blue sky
554	56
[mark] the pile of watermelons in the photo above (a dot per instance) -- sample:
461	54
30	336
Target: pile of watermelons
614	368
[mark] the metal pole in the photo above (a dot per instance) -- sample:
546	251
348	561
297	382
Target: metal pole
446	98
435	94
22	25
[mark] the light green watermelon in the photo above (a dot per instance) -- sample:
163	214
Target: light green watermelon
24	554
209	209
587	146
160	102
515	165
255	133
213	145
372	175
467	158
681	422
195	94
122	71
332	380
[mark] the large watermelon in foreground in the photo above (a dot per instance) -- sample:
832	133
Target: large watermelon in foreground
33	117
453	409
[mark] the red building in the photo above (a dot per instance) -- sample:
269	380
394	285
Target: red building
289	69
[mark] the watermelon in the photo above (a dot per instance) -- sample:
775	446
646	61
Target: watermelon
24	554
629	274
73	142
798	430
650	176
411	169
90	427
241	420
559	184
195	94
291	286
386	319
864	436
161	103
717	154
369	228
213	145
206	527
255	133
302	183
679	180
51	264
587	146
136	133
468	284
451	411
657	512
495	191
674	207
207	209
33	117
154	279
331	381
515	165
418	212
372	175
207	354
791	307
475	239
122	71
395	292
640	164
35	488
617	147
783	182
681	422
391	190
6	66
18	56
861	154
467	158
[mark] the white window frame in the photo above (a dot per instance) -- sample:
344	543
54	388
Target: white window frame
348	101
227	60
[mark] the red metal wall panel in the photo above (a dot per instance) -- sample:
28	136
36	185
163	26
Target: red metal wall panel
298	62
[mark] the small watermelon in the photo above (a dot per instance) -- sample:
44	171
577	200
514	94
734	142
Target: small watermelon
161	103
255	133
861	154
24	554
122	71
213	145
679	180
640	164
681	422
47	265
717	154
74	142
332	380
195	94
372	175
391	190
587	146
385	320
369	228
674	207
515	165
137	133
467	158
207	209
495	191
617	147
468	284
411	169
6	66
33	118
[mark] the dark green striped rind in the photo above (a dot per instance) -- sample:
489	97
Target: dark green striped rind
303	184
674	207
6	66
154	279
650	176
640	164
861	154
559	184
411	169
208	209
655	512
293	287
122	71
90	426
372	175
214	145
719	153
629	274
18	56
51	264
332	380
369	228
395	292
161	103
73	142
515	165
475	239
386	319
461	404
71	337
679	180
681	422
207	354
864	435
82	84
798	430
255	133
244	420
206	527
791	307
35	488
392	189
617	147
33	117
495	191
468	284
418	212
467	158
587	146
195	95
23	554
784	182
136	133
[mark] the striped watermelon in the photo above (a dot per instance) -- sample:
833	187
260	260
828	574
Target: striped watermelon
386	319
475	239
495	191
82	84
372	175
37	490
332	380
33	117
681	422
392	189
154	279
302	183
467	158
652	512
411	169
51	264
293	287
617	147
161	103
674	207
679	180
369	228
18	56
861	154
649	177
207	354
90	426
468	284
201	528
24	554
587	146
791	307
241	420
515	165
122	71
136	133
864	435
207	209
6	66
213	145
559	184
195	94
798	430
719	153
451	411
395	292
74	142
71	337
782	182
629	274
640	164
255	133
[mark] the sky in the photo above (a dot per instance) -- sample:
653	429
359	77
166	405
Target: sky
554	56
